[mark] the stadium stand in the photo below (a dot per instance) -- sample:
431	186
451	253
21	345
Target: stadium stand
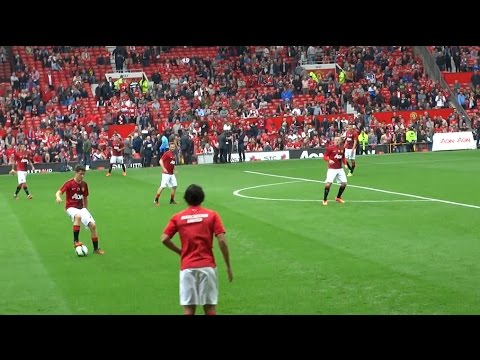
51	95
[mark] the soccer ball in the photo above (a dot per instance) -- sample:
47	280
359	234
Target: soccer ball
81	250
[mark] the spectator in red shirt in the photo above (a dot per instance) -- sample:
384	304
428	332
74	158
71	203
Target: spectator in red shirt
37	158
198	274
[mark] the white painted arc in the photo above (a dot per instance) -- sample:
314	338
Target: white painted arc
371	189
238	193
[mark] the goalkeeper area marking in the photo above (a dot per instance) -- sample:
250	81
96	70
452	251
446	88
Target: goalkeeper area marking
297	179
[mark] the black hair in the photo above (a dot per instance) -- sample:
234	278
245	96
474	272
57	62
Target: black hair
79	168
194	195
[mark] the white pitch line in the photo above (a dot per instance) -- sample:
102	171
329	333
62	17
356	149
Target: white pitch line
378	163
237	193
414	162
371	189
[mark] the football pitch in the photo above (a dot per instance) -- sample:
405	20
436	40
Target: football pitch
405	242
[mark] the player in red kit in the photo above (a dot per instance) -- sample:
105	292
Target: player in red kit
335	156
21	158
167	162
117	154
196	226
351	141
76	205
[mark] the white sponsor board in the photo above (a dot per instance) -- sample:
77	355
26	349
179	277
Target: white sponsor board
453	141
205	159
306	155
249	156
319	66
265	155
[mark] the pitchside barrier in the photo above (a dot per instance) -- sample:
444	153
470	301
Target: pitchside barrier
60	167
441	141
454	141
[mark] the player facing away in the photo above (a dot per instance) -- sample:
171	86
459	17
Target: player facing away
351	141
335	156
117	155
76	205
196	226
167	162
21	158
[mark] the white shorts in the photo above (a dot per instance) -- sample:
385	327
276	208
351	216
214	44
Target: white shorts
22	177
86	217
350	154
199	286
168	180
336	174
116	160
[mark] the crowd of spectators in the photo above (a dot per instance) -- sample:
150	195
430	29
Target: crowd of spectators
240	87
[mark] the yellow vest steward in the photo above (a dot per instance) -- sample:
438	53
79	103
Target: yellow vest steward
117	83
363	139
411	136
144	85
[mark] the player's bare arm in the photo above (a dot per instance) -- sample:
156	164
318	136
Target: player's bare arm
167	241
327	159
12	160
222	242
58	196
163	167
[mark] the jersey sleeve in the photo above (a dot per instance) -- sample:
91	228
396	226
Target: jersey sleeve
171	229
64	187
326	156
217	224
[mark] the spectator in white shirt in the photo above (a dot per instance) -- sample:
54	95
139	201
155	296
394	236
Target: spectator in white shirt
292	136
440	100
208	149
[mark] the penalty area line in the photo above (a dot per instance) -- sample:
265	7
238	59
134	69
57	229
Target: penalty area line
371	189
238	193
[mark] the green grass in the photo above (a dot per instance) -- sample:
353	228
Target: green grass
289	257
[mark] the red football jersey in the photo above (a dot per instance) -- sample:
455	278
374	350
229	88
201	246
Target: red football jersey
117	148
196	227
21	159
102	144
75	193
169	161
350	137
335	153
